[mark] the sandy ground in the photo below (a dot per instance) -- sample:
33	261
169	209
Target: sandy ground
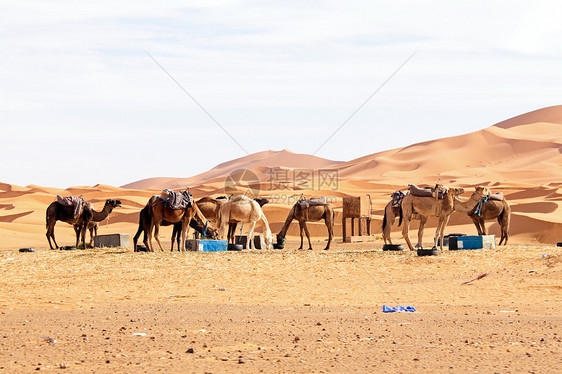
282	311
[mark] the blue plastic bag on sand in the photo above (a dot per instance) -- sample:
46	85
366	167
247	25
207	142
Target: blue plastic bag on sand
390	309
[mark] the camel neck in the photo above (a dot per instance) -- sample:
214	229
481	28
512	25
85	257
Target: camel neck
100	216
468	205
288	221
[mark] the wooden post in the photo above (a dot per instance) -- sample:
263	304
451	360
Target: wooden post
360	228
344	229
352	226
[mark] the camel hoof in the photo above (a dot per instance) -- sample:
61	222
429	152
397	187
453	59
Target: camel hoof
310	249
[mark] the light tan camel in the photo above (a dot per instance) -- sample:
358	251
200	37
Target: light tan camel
159	211
493	209
390	213
442	208
315	213
245	210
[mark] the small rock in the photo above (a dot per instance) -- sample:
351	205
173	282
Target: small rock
63	365
107	361
190	350
134	320
225	359
489	312
222	289
288	355
241	361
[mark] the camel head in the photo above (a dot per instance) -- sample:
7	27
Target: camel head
212	232
482	191
456	191
268	238
110	203
261	200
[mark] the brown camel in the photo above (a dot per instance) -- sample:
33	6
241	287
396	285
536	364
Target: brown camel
160	211
145	220
108	207
243	209
442	208
390	213
492	209
315	213
59	212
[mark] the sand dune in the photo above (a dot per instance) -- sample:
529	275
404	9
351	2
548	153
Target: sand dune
520	157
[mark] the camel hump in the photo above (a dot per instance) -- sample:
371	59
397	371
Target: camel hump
240	198
178	200
498	196
427	191
75	201
313	201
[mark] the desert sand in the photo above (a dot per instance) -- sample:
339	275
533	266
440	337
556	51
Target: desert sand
301	311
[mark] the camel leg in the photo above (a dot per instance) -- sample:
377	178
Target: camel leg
156	236
330	226
477	224
174	233
250	243
77	231
136	237
307	235
184	230
232	232
405	230
483	226
81	235
441	230
388	218
301	229
149	237
423	220
504	227
51	234
92	236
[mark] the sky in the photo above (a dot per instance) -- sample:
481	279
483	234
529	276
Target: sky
113	92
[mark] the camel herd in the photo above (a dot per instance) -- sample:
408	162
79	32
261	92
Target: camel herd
217	218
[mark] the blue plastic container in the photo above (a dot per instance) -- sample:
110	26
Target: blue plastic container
206	245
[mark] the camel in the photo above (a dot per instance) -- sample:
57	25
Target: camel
108	207
315	213
442	208
160	211
211	209
232	225
59	212
243	209
390	213
144	225
492	209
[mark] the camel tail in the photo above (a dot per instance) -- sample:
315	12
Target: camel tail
401	215
384	220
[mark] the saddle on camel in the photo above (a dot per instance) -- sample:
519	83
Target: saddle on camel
177	200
